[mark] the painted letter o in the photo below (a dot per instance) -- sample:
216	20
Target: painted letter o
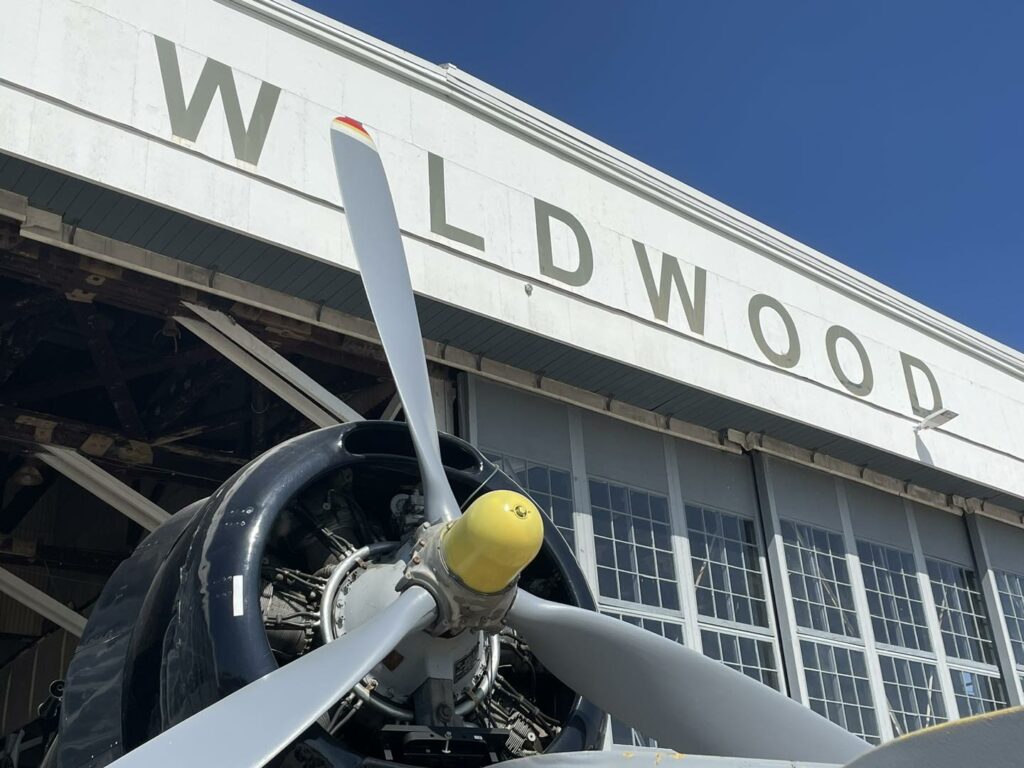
791	356
867	381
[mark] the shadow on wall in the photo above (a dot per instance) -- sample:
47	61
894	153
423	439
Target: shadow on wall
922	450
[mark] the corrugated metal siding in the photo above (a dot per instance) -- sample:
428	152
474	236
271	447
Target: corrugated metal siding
16	709
25	681
15	618
181	237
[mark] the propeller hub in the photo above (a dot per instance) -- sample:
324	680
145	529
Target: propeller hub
498	536
471	566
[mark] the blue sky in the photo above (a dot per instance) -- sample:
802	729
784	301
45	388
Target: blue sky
888	135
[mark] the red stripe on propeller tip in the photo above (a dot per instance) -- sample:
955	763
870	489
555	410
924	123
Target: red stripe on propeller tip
354	123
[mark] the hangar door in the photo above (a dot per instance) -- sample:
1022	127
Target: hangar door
876	612
666	531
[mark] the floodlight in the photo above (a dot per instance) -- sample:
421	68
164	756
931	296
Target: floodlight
936	419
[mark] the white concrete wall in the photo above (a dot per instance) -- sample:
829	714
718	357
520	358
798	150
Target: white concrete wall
81	91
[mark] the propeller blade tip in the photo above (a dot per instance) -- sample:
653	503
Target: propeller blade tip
353	127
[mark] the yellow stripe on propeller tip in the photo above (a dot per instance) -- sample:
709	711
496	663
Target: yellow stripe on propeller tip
496	538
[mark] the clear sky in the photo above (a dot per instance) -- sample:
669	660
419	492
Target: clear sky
888	135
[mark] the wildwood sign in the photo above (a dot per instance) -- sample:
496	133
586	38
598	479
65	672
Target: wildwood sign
771	325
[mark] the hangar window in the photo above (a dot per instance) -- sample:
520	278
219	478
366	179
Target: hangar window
819	579
549	487
633	546
1011	595
894	596
966	632
623	734
838	687
752	656
977	693
626	736
912	690
730	590
673	630
726	566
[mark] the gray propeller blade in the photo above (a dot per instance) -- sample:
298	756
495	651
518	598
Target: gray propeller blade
249	727
995	739
642	757
673	694
378	244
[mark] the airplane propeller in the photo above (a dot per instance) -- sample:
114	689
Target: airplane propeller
683	699
674	694
994	739
377	240
253	724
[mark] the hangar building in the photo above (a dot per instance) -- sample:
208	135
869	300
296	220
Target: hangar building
753	449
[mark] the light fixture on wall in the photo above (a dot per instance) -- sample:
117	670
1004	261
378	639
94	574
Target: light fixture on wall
936	419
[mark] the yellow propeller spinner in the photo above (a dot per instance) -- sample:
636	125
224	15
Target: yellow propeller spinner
493	541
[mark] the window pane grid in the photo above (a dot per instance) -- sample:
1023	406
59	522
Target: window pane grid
838	687
673	630
977	693
549	487
912	690
726	566
819	579
622	734
753	657
966	632
633	546
636	564
894	596
1011	595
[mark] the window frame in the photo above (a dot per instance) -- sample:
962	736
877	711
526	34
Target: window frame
990	675
617	603
890	648
1017	618
737	629
504	458
957	661
743	634
756	543
849	647
845	558
935	692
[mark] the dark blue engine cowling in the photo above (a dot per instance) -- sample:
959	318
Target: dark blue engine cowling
164	640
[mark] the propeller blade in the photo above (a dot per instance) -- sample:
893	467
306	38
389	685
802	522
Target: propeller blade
642	757
249	727
673	694
993	739
378	244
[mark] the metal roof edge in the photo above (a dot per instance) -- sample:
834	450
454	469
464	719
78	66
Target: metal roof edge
511	113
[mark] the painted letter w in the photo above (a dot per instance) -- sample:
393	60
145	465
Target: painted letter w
187	119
